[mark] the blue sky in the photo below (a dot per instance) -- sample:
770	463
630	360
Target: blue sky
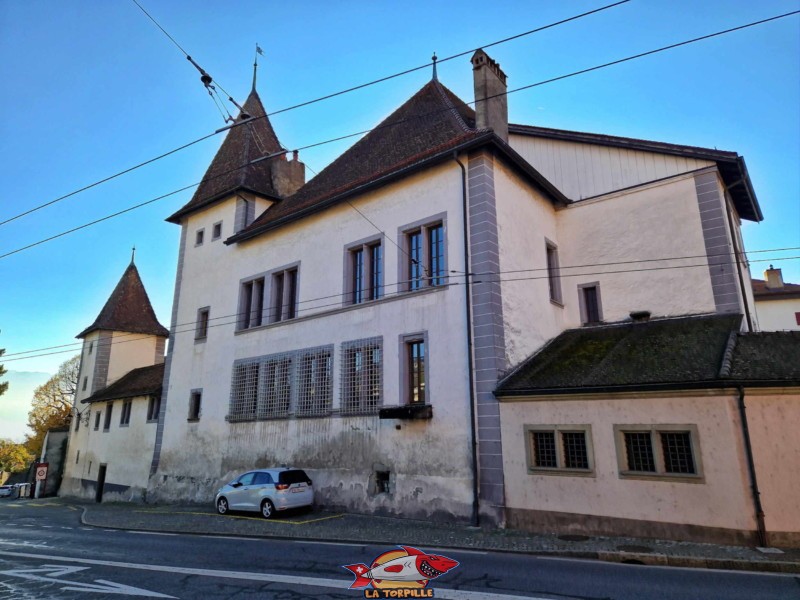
92	87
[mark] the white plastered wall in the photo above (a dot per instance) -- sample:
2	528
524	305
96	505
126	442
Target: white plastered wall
778	315
429	460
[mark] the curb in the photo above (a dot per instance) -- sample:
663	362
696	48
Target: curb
627	558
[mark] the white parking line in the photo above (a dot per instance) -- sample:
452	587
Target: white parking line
339	584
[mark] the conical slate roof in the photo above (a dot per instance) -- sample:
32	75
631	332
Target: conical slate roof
128	309
430	122
242	144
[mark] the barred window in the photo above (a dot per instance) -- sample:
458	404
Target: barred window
362	376
298	383
659	451
560	449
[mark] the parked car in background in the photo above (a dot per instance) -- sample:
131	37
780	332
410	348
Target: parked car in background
8	490
266	491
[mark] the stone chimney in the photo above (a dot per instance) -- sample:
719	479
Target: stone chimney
491	102
773	278
288	176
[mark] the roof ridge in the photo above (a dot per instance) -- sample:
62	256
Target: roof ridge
453	111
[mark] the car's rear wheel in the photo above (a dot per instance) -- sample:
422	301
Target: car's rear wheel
267	509
222	506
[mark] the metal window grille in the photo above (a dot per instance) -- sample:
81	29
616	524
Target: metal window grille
414	260
315	379
436	251
544	449
677	450
376	272
362	376
639	448
575	453
298	383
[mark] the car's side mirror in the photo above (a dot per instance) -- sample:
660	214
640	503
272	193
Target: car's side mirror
236	484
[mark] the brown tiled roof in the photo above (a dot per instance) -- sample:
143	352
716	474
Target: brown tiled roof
731	166
241	145
430	122
789	291
144	381
128	309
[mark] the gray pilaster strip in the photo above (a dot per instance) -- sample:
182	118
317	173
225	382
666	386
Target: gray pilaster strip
168	365
101	360
487	323
718	246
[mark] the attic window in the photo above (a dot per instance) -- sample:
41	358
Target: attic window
199	236
216	231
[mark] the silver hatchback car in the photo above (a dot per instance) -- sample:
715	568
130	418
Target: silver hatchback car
266	491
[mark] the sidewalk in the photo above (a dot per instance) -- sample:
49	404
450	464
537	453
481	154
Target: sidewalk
363	529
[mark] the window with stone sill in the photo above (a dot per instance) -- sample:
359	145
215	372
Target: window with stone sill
658	451
423	254
559	449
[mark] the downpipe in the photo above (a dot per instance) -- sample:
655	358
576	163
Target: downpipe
751	468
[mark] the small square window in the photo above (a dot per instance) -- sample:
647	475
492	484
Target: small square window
216	231
195	400
559	449
198	237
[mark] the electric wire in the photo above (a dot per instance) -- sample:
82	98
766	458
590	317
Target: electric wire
283	110
342	296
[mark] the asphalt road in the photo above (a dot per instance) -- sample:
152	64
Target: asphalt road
45	552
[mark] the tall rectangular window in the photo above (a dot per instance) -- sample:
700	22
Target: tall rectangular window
97	420
436	254
362	376
85	382
315	377
553	278
376	271
357	256
107	422
195	401
424	253
590	305
201	326
125	415
244	390
415	357
363	272
284	295
153	409
291	299
276	395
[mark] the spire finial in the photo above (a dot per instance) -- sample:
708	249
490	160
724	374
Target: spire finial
434	59
255	64
133	254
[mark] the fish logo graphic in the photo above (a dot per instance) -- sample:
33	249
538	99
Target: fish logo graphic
404	568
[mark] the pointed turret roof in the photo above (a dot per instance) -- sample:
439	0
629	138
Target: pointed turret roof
242	144
128	309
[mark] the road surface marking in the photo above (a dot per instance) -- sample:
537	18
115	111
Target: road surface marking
62	527
47	526
24	544
100	586
340	584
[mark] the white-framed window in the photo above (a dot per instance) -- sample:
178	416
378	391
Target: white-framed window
364	270
663	451
590	304
559	449
201	325
362	376
125	415
153	408
195	402
553	273
423	254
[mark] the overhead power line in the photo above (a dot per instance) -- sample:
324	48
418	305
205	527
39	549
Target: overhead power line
486	277
290	108
343	137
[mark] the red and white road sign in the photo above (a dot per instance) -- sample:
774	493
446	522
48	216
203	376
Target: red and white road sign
41	471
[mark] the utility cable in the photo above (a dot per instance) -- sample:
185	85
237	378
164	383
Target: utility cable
342	295
283	110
